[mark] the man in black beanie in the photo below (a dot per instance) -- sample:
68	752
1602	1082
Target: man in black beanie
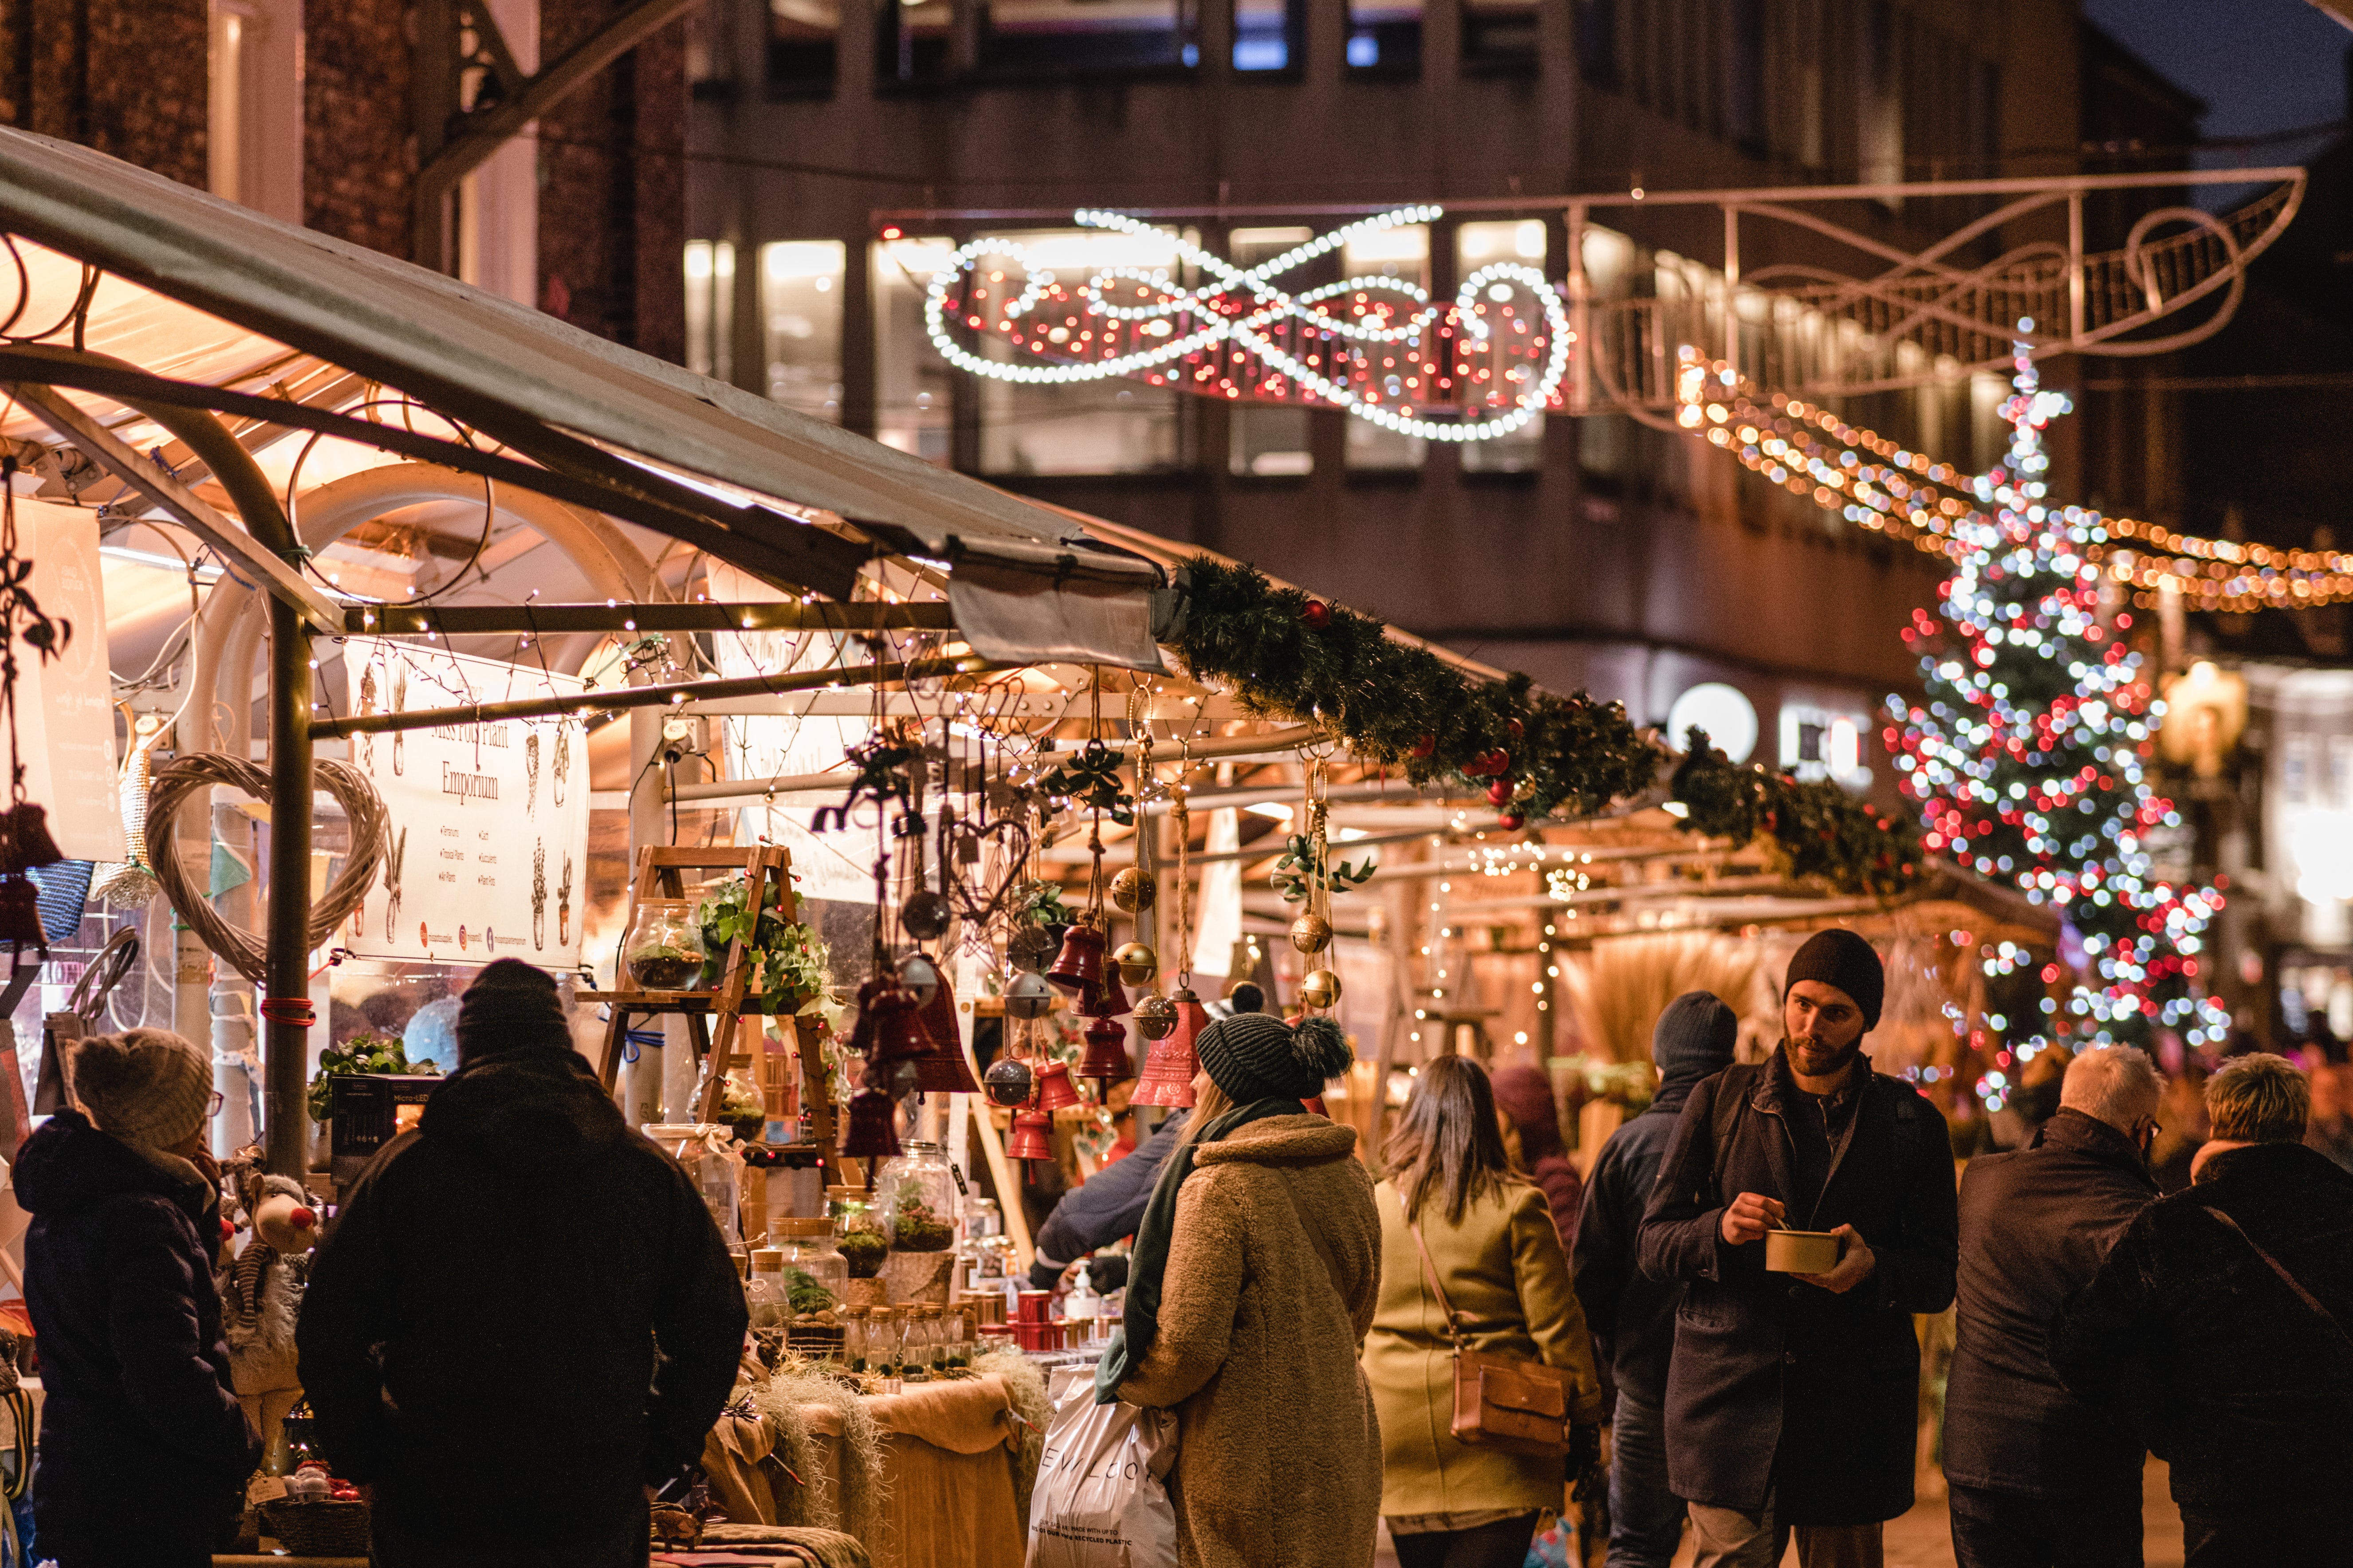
1791	1399
523	1316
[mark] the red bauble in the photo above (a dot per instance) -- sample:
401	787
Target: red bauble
1490	764
1499	792
1424	747
1511	822
1316	614
1517	728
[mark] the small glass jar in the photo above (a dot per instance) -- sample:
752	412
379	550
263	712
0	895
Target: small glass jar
918	1199
716	1172
663	948
858	1230
956	1335
813	1277
941	1323
884	1330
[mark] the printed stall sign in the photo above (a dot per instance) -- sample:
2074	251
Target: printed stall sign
489	835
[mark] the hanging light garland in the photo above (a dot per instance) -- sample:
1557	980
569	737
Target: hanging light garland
1481	367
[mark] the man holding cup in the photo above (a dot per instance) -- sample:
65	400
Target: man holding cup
1792	1392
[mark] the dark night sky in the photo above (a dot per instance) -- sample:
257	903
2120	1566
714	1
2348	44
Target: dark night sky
2260	65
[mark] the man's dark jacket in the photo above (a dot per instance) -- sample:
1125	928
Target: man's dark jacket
1633	1316
2034	1228
2189	1337
1781	1385
144	1450
1105	1208
479	1335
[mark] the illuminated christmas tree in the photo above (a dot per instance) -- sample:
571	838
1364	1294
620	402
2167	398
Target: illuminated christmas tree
2027	756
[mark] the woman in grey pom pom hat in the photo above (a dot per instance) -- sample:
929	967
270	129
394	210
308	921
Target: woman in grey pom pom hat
1256	1267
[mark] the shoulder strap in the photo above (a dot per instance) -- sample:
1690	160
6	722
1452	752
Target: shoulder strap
2290	1280
1429	1272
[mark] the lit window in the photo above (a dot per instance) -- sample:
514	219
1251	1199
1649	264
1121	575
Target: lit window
800	319
911	380
711	309
1401	253
801	42
1476	244
1086	34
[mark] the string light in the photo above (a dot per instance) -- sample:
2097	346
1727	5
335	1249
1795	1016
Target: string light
1491	362
1873	481
2026	753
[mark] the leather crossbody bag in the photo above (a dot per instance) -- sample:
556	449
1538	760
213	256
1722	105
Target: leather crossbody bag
1500	1401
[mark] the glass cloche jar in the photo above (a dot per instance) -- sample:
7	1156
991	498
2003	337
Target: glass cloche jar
815	1278
663	948
917	1196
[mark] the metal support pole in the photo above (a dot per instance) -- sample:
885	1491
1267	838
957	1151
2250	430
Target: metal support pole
287	1045
1731	288
1580	314
2075	268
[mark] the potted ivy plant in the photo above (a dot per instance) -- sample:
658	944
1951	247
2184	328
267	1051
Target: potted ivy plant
788	959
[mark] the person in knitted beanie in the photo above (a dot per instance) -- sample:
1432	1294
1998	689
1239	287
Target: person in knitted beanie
1256	1055
510	1006
144	1447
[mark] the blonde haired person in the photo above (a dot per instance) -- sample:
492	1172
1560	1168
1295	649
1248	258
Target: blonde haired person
1490	1240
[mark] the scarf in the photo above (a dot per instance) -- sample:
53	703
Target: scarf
1148	1260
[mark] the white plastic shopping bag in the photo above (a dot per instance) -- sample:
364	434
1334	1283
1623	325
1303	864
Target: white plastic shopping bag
1101	1500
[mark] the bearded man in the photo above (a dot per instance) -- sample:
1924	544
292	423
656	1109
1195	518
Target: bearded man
1791	1399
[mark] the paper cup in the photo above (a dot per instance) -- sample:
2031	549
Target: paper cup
1800	1251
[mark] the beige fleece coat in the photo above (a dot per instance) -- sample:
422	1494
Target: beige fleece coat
1273	1269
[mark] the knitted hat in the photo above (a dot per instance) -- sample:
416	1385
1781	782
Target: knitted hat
1525	1094
1840	958
148	1086
1697	1031
1256	1055
510	1006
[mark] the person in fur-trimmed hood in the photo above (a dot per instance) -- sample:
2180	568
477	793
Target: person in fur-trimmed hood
1256	1267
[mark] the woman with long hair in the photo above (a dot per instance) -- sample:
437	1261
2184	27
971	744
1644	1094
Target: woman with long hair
1489	1240
1249	1293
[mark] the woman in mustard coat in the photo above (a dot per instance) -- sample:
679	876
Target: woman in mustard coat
1490	1238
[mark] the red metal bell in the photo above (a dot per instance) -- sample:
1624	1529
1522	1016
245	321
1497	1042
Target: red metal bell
1055	1090
898	1032
1079	967
1032	1137
1108	1000
943	1070
1108	1060
1170	1067
873	1132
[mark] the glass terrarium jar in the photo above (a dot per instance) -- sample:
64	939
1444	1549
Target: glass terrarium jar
857	1231
716	1172
663	948
955	1339
814	1277
918	1196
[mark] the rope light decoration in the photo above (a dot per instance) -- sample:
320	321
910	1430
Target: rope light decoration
1879	484
183	776
1477	368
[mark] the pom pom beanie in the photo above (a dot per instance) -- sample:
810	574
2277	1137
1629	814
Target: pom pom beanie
1256	1055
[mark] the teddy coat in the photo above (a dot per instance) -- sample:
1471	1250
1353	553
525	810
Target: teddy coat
1274	1264
1505	1275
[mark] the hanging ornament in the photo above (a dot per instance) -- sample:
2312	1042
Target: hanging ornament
1009	1081
926	915
1155	1016
1320	990
1315	614
1132	891
1170	1065
921	976
1032	1137
1137	964
1107	1060
874	1132
944	1071
1029	996
1422	749
1078	968
1499	792
1055	1090
1511	821
1311	933
1031	947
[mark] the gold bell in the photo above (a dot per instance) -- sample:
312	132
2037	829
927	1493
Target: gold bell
1137	964
1320	990
1310	932
1133	890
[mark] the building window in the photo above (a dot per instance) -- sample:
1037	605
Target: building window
1879	107
1265	441
1057	36
1596	41
1478	245
1499	36
800	316
711	309
1269	33
1385	36
1113	426
912	385
1402	253
802	38
910	42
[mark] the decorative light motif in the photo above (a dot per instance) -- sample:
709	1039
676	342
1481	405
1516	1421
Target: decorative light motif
1377	346
1878	484
2027	754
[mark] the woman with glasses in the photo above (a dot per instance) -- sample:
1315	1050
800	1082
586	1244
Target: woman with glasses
144	1449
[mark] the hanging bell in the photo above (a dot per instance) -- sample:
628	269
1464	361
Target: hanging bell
26	828
1055	1090
1079	968
1107	1060
1029	996
944	1070
1155	1016
1009	1081
1137	964
919	975
1031	949
873	1132
898	1032
1108	1000
925	915
1133	890
1320	990
1032	1137
1310	932
1170	1066
861	1033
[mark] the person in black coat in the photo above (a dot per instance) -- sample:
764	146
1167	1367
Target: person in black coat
1792	1399
2037	1481
2217	1330
144	1449
1631	1315
1097	1213
523	1315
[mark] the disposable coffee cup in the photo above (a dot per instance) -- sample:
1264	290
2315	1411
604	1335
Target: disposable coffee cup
1800	1251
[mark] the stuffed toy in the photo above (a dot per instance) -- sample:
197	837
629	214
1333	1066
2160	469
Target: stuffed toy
261	1290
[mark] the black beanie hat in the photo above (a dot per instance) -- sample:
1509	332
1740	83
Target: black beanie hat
510	1006
1840	958
1256	1055
1696	1031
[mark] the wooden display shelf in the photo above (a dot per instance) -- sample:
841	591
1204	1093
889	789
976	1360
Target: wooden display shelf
692	1002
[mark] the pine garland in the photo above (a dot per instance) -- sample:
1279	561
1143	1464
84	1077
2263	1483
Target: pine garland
1285	653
